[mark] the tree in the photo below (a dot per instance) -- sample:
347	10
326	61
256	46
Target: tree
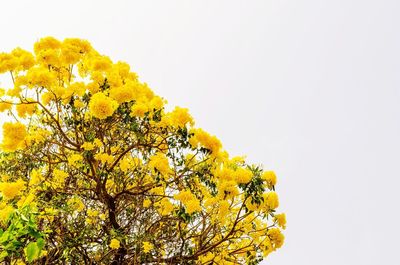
94	170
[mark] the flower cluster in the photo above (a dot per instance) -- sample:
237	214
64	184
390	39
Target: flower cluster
94	169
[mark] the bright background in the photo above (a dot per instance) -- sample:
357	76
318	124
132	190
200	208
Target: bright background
310	89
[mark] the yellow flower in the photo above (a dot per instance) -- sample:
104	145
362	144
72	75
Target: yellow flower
40	76
206	140
147	247
146	203
139	109
193	206
243	175
114	244
77	88
12	189
46	44
281	220
47	97
156	103
125	164
73	49
5	212
25	108
76	203
270	178
102	106
100	63
74	160
180	117
228	188
276	237
271	200
13	135
8	62
97	143
223	207
190	201
59	177
92	213
26	200
122	94
165	207
35	177
88	146
25	59
5	106
160	162
104	158
102	216
79	104
184	196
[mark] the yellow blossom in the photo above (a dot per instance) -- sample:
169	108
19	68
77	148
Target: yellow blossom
243	176
102	106
165	207
79	104
101	63
276	237
35	177
7	62
184	196
76	203
40	77
104	158
11	189
102	216
281	220
125	164
72	50
13	135
5	212
114	244
92	213
147	247
26	200
122	94
97	143
270	178
156	103
139	109
271	200
24	109
193	206
75	159
146	203
59	177
160	162
88	146
206	140
46	44
24	58
5	106
180	117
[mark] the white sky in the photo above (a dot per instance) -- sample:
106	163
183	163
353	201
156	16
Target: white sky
310	89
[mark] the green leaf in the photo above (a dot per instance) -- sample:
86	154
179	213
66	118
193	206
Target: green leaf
4	237
32	251
40	243
23	217
3	254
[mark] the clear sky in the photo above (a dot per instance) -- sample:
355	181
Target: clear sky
310	89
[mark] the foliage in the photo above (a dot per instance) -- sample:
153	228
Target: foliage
95	170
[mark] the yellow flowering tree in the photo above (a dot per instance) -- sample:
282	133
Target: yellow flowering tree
95	170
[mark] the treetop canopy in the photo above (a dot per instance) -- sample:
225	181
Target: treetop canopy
94	170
